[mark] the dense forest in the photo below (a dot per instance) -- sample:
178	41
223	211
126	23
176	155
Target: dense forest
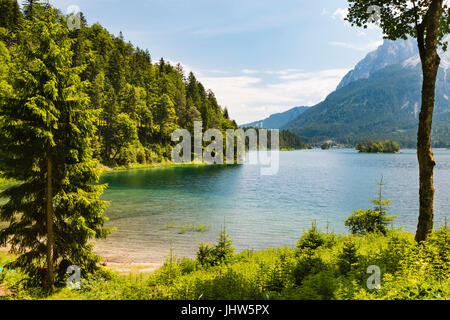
287	139
137	102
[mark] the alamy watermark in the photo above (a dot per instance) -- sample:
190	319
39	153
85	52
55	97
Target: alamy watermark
74	17
374	13
235	142
374	281
74	280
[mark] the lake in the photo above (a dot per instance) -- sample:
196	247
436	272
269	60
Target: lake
149	206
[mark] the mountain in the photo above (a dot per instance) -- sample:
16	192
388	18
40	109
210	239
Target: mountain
276	121
379	100
390	53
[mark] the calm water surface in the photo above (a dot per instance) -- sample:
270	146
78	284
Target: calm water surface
259	211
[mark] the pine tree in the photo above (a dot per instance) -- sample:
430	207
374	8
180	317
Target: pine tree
225	114
110	111
124	133
381	203
10	15
29	8
161	65
5	9
116	70
5	66
188	115
46	132
348	258
166	118
16	15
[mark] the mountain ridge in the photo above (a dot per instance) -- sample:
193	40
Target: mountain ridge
384	106
277	120
389	53
379	100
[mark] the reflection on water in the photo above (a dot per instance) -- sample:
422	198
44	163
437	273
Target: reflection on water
259	211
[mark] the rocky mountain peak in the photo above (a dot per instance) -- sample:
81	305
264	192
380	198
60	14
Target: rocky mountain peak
389	53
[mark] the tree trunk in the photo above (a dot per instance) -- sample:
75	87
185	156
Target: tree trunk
50	235
430	65
425	156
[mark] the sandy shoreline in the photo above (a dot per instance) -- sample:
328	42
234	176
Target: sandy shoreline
126	264
133	268
123	266
122	262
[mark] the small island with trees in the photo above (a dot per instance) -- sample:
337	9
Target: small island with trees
325	146
387	146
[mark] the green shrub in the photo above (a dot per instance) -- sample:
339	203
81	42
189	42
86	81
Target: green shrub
151	156
436	252
320	286
222	252
277	277
140	156
206	255
113	287
335	269
307	265
311	239
168	273
348	258
367	221
397	250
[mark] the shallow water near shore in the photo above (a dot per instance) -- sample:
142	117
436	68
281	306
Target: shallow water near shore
149	206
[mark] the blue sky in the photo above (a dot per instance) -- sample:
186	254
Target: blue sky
259	56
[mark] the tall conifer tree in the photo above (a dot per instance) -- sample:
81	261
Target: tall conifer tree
10	14
46	131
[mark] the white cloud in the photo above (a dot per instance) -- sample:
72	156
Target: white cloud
361	33
186	68
340	14
364	47
250	98
331	73
282	72
216	71
198	72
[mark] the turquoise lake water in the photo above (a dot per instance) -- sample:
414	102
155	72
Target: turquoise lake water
259	211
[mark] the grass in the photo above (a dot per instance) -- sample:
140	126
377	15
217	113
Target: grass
322	266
